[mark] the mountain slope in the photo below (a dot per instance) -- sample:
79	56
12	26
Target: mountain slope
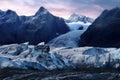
105	31
43	26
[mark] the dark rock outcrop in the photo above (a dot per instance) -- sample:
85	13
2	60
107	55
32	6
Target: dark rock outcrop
105	31
9	22
43	26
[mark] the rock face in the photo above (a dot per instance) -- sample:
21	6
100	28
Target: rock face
105	31
9	22
78	22
43	26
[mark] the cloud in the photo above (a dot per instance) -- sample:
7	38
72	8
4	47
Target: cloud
20	8
108	4
64	8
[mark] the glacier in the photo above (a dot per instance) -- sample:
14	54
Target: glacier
77	25
92	57
25	56
69	39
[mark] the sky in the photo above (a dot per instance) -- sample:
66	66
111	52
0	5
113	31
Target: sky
62	8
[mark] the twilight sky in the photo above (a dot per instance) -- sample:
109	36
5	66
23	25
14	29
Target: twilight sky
63	8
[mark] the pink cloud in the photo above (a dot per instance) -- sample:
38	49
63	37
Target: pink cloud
98	7
25	7
20	8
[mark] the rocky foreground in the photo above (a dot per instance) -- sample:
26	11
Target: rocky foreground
18	74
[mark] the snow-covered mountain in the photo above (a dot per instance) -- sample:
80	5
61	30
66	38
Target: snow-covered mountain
78	22
34	28
78	25
69	39
76	18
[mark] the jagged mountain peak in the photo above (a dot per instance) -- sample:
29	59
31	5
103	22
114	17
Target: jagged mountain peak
42	8
1	12
10	12
76	15
33	28
41	11
7	12
76	18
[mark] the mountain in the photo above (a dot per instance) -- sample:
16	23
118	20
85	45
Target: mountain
78	22
76	17
69	39
105	31
43	26
9	23
78	25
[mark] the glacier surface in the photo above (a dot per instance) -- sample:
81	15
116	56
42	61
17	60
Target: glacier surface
77	25
26	56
